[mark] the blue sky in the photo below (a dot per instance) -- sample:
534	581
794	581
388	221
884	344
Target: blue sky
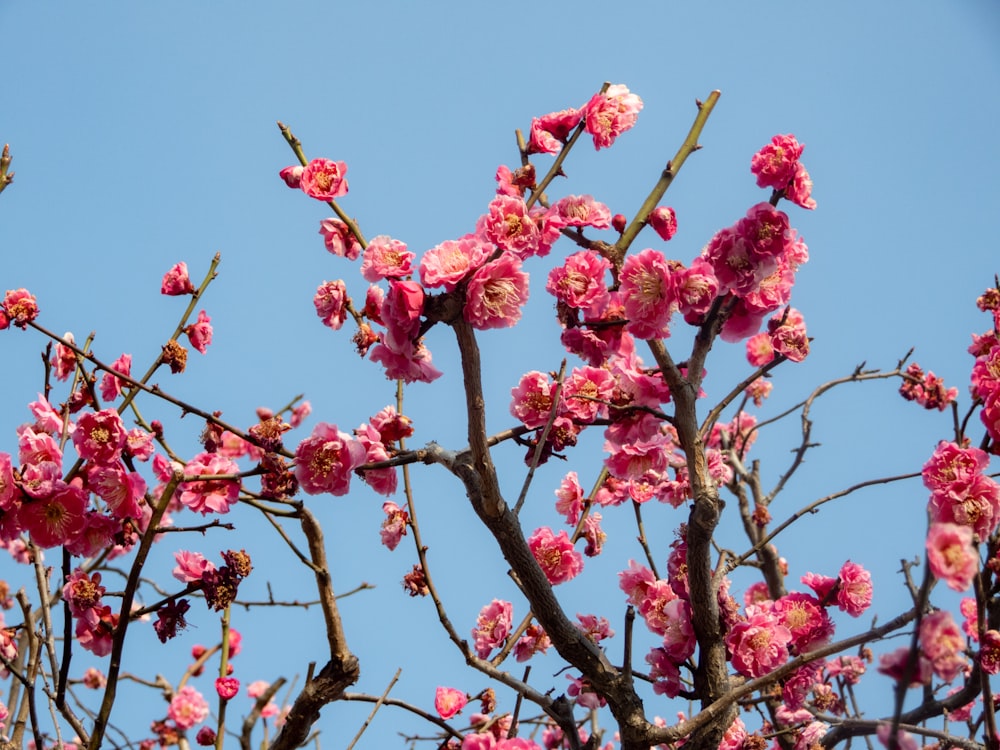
144	134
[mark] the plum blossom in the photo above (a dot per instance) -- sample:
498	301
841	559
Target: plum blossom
386	258
451	261
496	294
339	239
569	498
209	495
951	554
854	592
292	177
330	302
187	708
492	626
648	294
775	164
324	461
549	132
395	524
580	211
760	644
663	220
111	386
449	701
99	436
18	307
191	566
942	642
555	554
199	333
176	281
508	225
324	179
608	115
579	282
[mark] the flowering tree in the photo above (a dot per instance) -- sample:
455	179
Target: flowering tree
771	663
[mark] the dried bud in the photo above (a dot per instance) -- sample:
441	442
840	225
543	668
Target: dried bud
175	356
267	433
239	562
415	582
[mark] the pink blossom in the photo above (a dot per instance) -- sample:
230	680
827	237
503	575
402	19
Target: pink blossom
508	225
496	294
663	220
451	261
492	627
187	708
19	307
331	303
942	642
636	581
581	689
580	282
47	419
951	554
775	164
580	211
799	191
989	653
409	362
848	668
595	628
139	444
904	740
449	701
176	281
64	361
569	498
209	495
391	425
111	386
82	592
293	177
206	735
324	180
549	132
696	289
532	642
383	480
339	239
760	351
854	592
227	687
200	332
648	294
608	115
191	566
555	554
123	491
257	688
788	335
395	524
8	490
299	414
664	673
324	461
805	619
896	665
99	436
760	644
95	631
653	605
386	258
532	399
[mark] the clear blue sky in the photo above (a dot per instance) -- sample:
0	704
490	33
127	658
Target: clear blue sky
144	134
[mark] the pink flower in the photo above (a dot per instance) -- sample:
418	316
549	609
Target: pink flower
257	688
805	619
799	191
331	303
394	526
200	332
942	642
696	289
227	687
451	261
663	220
775	164
19	307
665	674
111	386
580	282
187	708
532	642
383	480
653	606
610	114
854	592
99	436
206	735
176	281
8	490
293	177
951	554
648	294
324	180
64	361
580	211
82	592
339	239
896	665
550	132
569	498
449	701
492	627
324	461
581	689
386	258
989	654
56	519
210	495
788	335
191	566
555	554
496	294
508	226
95	632
760	644
299	413
123	491
532	399
636	581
